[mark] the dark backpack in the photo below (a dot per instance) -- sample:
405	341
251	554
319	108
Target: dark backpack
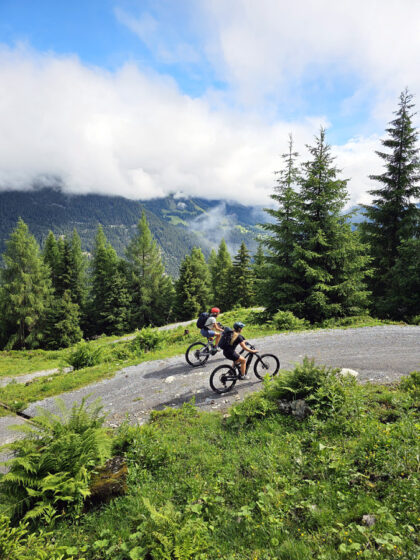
225	338
202	318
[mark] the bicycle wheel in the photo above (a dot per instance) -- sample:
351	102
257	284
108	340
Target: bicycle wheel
197	354
223	379
267	363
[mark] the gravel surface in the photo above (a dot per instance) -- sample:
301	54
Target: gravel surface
379	354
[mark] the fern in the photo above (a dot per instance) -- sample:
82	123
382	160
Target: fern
52	466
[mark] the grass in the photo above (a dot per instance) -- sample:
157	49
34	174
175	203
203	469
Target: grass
258	485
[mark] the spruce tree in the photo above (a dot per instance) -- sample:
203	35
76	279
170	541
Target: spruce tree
77	273
193	286
61	327
25	287
109	307
146	277
259	273
393	217
243	281
51	257
221	274
329	258
281	288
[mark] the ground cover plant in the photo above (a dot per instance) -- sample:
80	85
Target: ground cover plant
259	484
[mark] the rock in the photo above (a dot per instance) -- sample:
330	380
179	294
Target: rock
170	379
297	408
347	371
300	409
109	481
369	520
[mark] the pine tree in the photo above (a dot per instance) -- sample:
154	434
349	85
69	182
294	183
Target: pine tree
146	277
221	273
243	281
51	257
25	290
193	286
109	308
259	273
330	259
77	273
62	323
281	289
393	217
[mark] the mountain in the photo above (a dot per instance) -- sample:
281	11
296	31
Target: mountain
178	224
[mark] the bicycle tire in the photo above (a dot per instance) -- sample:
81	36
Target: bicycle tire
267	363
193	355
223	379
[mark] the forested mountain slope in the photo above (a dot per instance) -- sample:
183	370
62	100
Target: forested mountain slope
178	224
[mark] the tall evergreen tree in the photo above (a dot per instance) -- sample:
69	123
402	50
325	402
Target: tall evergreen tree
221	277
61	327
281	288
243	281
259	273
193	286
110	298
51	257
25	290
77	273
393	217
146	277
331	260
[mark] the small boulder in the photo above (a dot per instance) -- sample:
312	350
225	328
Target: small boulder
369	520
109	481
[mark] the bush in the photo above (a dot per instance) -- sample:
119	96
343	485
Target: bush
411	384
147	339
17	544
51	470
84	355
414	320
286	321
322	387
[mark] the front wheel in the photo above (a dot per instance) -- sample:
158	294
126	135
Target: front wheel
223	379
197	354
267	363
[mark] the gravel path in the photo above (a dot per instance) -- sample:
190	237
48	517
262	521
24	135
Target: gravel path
379	354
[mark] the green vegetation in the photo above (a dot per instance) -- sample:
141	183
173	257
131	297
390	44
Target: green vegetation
255	483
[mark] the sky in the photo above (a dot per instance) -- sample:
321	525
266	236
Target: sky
142	98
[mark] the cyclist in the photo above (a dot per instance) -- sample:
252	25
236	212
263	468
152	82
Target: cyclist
230	352
212	329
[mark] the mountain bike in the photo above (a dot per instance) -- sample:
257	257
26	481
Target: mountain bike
224	377
198	353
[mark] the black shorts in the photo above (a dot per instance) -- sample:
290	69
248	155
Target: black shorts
230	354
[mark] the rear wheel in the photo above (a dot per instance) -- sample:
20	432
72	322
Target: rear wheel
223	379
267	363
197	354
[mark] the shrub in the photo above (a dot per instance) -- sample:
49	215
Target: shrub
286	321
16	543
84	355
147	339
255	406
320	386
51	470
414	320
411	384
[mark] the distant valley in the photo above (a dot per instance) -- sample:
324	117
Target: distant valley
178	224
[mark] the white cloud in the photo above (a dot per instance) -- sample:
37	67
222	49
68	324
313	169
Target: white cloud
135	134
268	47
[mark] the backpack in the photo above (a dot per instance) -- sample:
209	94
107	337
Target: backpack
225	338
202	318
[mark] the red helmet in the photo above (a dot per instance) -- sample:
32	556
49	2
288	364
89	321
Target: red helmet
214	310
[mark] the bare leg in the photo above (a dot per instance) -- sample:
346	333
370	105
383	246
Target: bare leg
241	360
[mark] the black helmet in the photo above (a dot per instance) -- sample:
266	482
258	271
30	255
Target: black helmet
238	325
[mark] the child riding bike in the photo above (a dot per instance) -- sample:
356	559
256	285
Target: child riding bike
229	351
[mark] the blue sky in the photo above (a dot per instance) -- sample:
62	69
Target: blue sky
142	98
